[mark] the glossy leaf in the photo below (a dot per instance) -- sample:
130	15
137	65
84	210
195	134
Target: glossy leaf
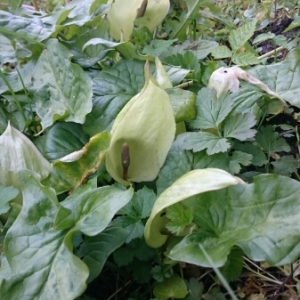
63	139
30	29
72	170
180	161
282	77
37	257
183	103
64	89
252	216
126	49
6	194
96	249
132	216
174	288
112	90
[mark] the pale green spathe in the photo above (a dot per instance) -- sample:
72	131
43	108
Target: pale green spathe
123	13
147	125
19	153
188	185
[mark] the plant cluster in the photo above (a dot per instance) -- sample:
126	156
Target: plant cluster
149	150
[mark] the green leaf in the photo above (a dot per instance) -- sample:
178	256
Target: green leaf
92	54
237	159
37	257
263	37
158	47
198	141
30	29
179	218
159	274
98	208
258	156
173	287
245	59
261	218
201	48
282	77
132	214
186	17
70	171
91	209
221	52
176	74
183	103
195	289
286	165
95	250
112	90
123	256
64	89
126	49
178	162
188	185
136	248
6	194
141	271
186	60
63	139
15	4
239	125
238	37
270	141
210	110
234	265
26	72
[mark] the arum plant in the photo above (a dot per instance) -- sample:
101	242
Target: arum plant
142	134
123	14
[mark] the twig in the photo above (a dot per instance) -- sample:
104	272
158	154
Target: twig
273	52
35	5
258	267
284	282
184	85
118	290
